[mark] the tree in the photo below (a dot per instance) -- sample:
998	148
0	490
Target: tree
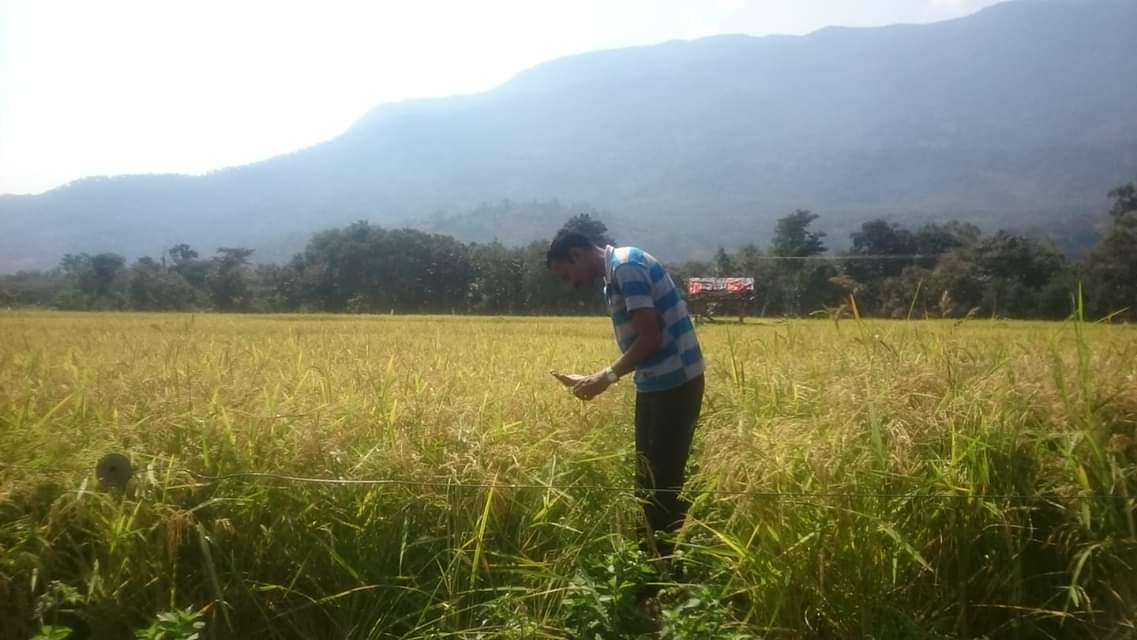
933	241
881	238
955	284
1124	209
366	268
895	287
228	282
880	250
750	262
797	286
1110	276
724	265
182	253
277	287
904	293
748	259
155	288
498	279
102	281
195	272
1013	257
33	288
793	239
1110	272
1014	271
73	265
816	287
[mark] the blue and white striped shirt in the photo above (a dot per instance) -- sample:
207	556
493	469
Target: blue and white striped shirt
633	279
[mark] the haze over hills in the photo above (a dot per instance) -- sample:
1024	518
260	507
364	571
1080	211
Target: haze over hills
1022	115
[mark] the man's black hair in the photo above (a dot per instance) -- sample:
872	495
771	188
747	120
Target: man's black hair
566	240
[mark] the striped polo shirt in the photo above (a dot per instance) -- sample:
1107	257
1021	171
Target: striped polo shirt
633	279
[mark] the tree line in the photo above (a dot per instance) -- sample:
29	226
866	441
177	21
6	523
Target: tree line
938	270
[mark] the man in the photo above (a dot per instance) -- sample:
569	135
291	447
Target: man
657	339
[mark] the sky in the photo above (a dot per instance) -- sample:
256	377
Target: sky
109	87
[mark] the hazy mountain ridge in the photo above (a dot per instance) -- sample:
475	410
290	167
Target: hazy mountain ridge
1018	115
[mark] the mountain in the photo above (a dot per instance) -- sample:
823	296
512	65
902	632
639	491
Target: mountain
1022	115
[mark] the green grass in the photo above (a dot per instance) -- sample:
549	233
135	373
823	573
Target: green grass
932	479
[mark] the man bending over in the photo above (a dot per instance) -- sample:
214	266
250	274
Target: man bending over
657	339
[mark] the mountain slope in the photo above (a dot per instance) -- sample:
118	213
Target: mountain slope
1024	112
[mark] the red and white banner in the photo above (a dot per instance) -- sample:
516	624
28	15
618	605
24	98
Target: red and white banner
725	287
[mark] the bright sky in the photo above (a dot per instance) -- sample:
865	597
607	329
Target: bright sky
105	87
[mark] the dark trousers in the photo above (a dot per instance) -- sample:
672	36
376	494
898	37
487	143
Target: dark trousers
665	423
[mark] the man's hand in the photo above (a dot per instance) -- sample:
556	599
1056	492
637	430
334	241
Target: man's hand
568	379
591	386
583	387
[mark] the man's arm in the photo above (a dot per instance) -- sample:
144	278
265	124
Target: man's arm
634	282
648	340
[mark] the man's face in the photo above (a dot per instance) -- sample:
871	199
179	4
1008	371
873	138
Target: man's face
572	271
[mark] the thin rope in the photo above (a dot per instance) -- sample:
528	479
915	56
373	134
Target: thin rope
888	256
623	489
618	489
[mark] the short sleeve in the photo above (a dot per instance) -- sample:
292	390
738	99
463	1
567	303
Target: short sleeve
634	283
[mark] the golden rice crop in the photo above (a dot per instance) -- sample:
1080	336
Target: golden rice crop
895	479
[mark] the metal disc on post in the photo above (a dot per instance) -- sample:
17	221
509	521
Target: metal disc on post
113	470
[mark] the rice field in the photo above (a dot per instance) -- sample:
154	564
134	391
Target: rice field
884	479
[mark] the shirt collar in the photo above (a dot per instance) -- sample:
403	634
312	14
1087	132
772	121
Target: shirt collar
609	250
